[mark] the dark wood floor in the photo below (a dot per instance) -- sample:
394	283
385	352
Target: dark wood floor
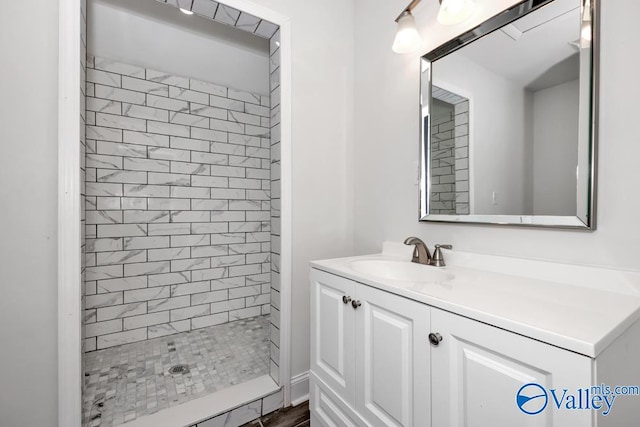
296	416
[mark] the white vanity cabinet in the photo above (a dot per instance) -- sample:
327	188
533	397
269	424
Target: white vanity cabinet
372	364
369	355
477	368
473	344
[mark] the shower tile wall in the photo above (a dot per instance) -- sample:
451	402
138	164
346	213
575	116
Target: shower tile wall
275	204
227	15
83	149
461	133
443	183
241	20
449	154
178	204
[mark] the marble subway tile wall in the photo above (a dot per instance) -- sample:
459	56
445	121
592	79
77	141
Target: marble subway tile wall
461	133
274	84
178	204
83	150
443	184
449	154
227	15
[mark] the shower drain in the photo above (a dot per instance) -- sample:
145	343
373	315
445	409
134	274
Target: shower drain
179	369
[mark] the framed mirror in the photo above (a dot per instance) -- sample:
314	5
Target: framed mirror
508	119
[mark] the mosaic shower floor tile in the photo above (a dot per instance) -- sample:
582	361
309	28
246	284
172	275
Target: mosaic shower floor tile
133	380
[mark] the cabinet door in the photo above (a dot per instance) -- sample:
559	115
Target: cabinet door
392	353
332	326
478	369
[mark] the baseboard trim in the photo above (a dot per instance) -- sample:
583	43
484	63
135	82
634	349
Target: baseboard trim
300	388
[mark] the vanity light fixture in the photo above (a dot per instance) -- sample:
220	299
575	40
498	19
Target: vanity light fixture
408	38
585	32
454	11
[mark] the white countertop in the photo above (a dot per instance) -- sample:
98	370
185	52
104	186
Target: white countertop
583	318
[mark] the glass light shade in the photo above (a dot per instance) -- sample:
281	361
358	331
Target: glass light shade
407	38
585	33
454	11
186	11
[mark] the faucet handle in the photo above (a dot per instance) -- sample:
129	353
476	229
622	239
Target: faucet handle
444	246
438	260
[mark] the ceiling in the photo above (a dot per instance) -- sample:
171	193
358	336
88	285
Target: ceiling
535	51
210	19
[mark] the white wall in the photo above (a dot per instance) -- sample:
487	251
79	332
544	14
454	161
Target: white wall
498	159
28	173
386	144
322	104
555	152
158	36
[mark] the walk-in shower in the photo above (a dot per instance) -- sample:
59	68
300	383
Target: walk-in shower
181	195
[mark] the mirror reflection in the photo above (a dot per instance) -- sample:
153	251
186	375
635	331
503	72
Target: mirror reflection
506	118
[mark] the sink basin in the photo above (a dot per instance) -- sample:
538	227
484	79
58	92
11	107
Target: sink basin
401	270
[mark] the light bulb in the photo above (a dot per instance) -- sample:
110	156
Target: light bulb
454	11
407	38
186	11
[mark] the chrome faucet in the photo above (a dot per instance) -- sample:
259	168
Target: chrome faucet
421	254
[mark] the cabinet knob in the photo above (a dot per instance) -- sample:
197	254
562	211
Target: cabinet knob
355	304
346	299
435	339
